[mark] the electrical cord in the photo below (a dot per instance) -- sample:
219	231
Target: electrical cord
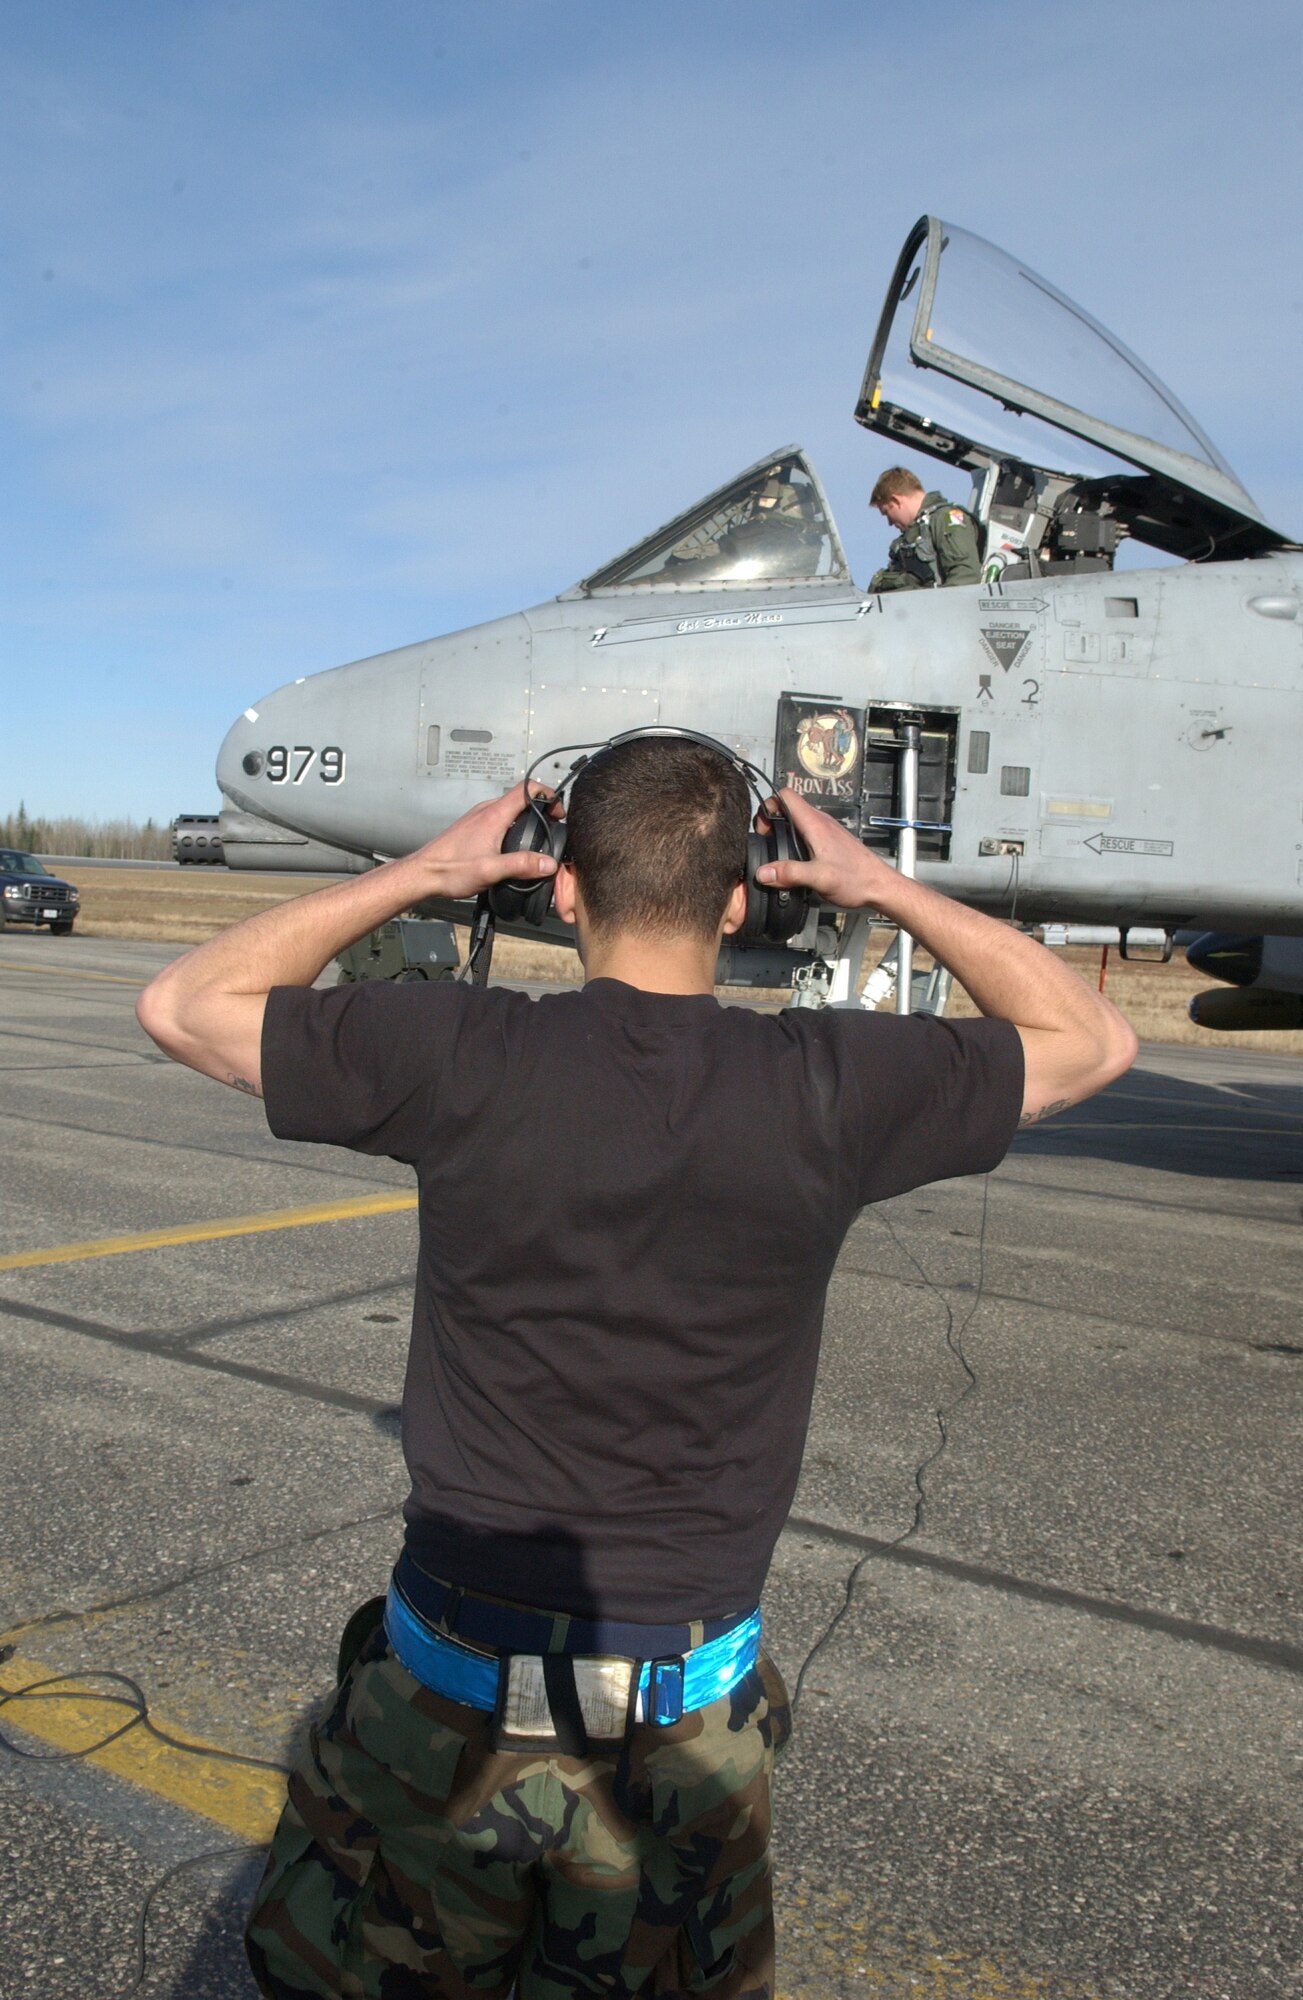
954	1340
71	1687
141	1937
479	949
54	1688
139	1718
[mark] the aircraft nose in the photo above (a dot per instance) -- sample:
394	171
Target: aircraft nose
243	755
285	750
236	745
376	755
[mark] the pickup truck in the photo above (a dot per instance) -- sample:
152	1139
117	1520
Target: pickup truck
29	894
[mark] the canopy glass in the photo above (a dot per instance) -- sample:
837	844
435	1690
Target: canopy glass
977	358
770	525
989	309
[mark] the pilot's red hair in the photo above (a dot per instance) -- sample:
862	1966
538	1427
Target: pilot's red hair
897	479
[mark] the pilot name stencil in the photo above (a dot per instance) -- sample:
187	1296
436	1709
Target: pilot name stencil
728	621
752	619
1006	643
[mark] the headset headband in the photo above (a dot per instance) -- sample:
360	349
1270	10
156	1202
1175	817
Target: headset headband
760	782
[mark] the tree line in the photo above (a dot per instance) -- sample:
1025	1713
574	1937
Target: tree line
113	839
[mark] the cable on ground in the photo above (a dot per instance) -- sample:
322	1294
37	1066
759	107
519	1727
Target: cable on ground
72	1687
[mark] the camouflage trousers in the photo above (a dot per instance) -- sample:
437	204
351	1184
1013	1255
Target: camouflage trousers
412	1862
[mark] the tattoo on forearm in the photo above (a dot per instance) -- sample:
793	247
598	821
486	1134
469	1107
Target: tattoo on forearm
243	1083
1046	1111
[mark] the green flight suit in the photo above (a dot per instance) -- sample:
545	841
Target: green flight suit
939	546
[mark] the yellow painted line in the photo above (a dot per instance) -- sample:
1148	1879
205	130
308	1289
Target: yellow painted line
238	1796
211	1232
64	972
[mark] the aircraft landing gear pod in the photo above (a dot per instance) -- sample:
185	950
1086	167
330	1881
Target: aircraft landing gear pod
1264	978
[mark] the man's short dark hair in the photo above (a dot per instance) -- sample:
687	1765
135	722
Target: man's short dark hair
657	832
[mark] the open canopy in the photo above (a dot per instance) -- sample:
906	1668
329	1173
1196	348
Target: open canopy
1019	374
770	525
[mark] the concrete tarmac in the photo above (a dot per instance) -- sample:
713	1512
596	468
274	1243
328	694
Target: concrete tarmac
1047	1750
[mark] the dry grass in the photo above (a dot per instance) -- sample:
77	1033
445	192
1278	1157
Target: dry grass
1153	997
175	905
186	906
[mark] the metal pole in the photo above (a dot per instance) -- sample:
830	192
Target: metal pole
844	990
909	735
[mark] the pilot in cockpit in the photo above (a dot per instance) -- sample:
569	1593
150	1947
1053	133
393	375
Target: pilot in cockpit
774	532
936	543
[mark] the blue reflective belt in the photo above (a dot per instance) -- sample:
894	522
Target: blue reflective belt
668	1689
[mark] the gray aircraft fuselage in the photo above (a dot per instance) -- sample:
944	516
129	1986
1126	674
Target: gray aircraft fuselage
1119	747
1147	758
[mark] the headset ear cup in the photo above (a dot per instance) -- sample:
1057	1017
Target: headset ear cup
774	915
753	926
787	907
528	902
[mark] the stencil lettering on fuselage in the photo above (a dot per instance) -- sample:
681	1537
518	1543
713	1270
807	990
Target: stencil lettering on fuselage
480	762
1006	643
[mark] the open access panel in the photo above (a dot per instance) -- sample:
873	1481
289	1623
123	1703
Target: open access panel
847	760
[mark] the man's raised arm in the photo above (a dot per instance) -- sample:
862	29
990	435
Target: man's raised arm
206	1008
1074	1041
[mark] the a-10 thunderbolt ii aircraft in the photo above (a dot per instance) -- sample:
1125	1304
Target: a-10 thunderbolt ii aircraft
1066	741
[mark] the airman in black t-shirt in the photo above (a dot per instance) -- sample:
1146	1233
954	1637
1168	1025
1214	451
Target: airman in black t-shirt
549	1765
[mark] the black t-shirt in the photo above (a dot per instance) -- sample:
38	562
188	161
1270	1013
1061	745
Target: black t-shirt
630	1207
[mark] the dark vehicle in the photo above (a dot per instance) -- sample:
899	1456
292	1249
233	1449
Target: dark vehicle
29	894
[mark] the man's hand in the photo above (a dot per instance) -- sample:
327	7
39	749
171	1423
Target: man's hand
840	869
467	857
1074	1041
206	1008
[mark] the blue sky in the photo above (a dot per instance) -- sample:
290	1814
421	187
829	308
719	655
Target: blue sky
329	327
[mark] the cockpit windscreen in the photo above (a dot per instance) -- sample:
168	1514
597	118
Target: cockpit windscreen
769	527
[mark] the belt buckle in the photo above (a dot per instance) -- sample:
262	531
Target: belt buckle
665	1691
522	1719
563	1704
